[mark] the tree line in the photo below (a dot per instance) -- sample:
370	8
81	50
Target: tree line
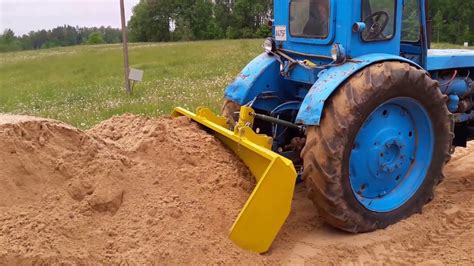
177	20
60	36
453	21
185	20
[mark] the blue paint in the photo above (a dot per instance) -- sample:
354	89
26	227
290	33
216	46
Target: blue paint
260	75
330	80
453	103
458	86
450	59
343	15
303	75
456	89
391	155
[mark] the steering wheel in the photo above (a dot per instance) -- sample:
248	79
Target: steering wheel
379	23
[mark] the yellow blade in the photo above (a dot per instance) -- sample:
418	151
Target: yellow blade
269	204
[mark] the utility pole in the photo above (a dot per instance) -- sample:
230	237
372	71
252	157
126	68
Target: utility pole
125	47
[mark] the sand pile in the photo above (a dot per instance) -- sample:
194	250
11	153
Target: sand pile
141	190
130	189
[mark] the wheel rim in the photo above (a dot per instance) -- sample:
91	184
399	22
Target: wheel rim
391	155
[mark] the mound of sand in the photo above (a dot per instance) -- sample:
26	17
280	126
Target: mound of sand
130	189
140	190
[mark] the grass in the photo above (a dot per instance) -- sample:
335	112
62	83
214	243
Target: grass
84	85
450	46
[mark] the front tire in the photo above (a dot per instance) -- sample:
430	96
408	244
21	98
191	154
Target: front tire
230	110
380	148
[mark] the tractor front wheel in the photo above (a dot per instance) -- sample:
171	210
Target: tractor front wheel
380	148
230	111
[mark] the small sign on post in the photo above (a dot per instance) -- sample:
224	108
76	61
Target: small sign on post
135	75
466	44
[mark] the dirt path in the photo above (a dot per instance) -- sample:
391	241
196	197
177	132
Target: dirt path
443	234
159	190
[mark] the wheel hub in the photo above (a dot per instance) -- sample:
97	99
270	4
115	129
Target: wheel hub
390	156
384	153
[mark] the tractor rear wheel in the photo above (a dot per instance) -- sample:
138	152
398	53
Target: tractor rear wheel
380	148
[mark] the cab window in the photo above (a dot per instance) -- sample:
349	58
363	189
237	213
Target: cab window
309	18
411	26
379	18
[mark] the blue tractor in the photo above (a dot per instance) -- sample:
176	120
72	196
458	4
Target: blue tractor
352	94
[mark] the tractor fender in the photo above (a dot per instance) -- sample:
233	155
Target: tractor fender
329	80
262	74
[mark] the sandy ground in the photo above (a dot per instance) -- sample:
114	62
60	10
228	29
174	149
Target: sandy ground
141	190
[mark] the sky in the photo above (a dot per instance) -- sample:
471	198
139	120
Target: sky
23	16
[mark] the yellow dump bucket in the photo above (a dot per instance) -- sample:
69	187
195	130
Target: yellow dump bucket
269	205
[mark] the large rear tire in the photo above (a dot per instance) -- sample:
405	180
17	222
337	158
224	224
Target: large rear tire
380	148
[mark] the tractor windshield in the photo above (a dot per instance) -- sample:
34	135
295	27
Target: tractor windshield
379	17
309	18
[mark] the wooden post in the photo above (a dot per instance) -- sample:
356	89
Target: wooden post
125	47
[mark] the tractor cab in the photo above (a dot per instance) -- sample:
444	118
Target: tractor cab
330	30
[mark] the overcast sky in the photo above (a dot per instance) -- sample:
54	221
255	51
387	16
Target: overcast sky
22	16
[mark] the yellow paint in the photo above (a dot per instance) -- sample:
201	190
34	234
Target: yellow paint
269	205
246	117
310	64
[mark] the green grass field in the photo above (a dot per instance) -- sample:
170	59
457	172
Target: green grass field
84	85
